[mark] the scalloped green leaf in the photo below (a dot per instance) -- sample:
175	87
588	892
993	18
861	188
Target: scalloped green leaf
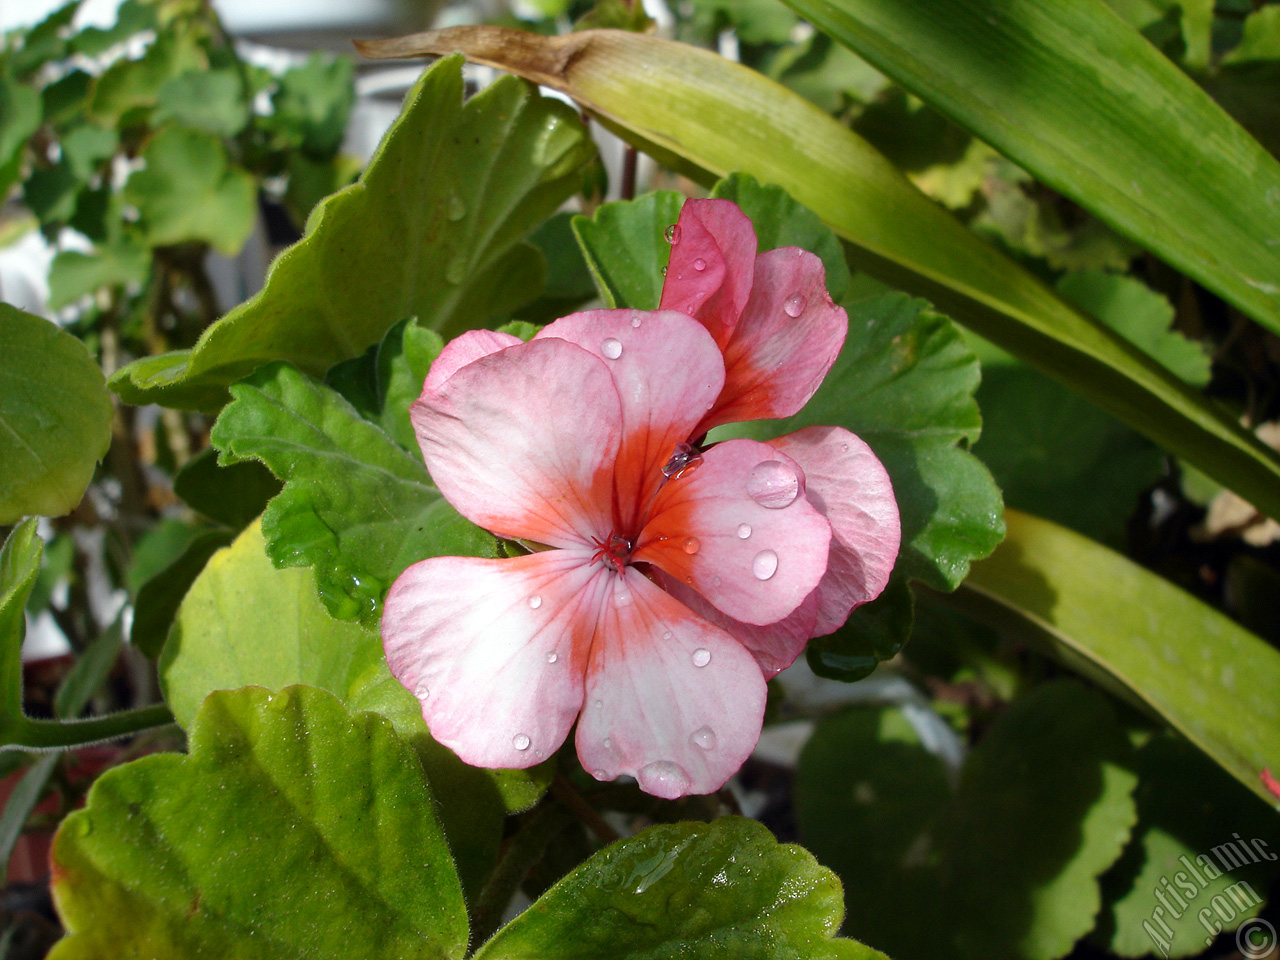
1007	863
625	248
55	417
686	890
356	506
291	829
432	229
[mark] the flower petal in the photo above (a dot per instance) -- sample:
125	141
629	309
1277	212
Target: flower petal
774	645
523	442
668	372
670	699
847	483
740	531
465	349
495	649
786	340
712	258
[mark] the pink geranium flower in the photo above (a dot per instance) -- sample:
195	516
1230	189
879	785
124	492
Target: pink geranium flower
665	583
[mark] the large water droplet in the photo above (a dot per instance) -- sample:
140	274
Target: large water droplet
765	564
611	348
683	459
521	741
662	778
535	601
744	531
699	264
672	233
457	209
773	484
795	305
703	737
691	545
552	657
701	657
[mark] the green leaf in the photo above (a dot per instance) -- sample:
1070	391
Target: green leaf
114	264
158	597
1190	846
243	623
688	890
1141	316
1007	865
355	505
291	829
20	116
19	569
210	100
1033	82
134	85
709	117
451	191
234	494
1139	635
404	358
626	250
47	40
313	101
55	417
189	191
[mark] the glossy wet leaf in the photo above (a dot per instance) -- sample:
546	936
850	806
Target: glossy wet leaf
55	417
355	506
1006	863
1078	97
190	191
688	890
1139	635
709	117
432	229
200	855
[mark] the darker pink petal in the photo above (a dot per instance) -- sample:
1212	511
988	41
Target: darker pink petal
668	372
713	253
495	650
670	699
523	441
465	349
786	340
849	486
740	531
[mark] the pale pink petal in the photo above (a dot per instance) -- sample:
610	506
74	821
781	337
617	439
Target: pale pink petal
740	531
774	645
523	442
495	649
465	349
849	486
712	258
670	699
785	342
668	372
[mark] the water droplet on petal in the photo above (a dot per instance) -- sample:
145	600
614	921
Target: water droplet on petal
683	459
691	545
701	657
599	704
666	635
608	743
703	737
535	602
521	741
422	691
635	321
672	233
699	264
744	531
552	657
795	305
765	564
611	348
844	448
664	779
773	484
600	774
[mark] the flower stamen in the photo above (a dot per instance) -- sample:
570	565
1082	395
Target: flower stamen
614	552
